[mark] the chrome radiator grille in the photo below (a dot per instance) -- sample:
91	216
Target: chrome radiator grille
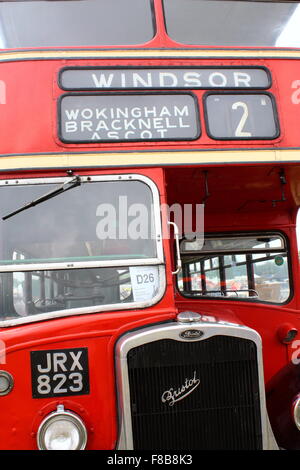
194	394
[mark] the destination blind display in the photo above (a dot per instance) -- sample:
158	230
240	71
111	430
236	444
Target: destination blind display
163	78
130	117
241	116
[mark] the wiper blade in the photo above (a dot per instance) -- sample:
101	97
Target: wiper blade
55	192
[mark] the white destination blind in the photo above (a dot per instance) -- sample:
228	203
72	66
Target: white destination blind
130	117
163	78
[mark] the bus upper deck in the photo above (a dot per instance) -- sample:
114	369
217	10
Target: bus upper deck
48	71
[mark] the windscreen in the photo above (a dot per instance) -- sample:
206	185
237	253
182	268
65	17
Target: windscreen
75	23
93	222
233	23
77	248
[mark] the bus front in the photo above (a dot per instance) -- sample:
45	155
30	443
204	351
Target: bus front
149	163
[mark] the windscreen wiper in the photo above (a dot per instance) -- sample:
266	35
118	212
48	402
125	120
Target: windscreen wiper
55	192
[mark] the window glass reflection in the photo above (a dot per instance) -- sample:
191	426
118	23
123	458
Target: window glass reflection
261	274
233	23
75	23
96	221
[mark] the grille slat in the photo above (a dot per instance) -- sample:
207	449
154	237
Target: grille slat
222	412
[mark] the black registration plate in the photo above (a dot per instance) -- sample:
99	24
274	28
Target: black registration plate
60	372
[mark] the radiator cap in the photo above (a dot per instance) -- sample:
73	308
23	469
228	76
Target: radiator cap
188	317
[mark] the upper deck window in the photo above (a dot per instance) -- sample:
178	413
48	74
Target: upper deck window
233	23
75	23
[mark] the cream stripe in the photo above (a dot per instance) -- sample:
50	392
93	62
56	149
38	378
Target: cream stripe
147	159
148	53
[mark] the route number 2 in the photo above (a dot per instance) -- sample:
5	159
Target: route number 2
239	132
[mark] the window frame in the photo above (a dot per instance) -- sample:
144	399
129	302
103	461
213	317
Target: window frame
102	308
158	261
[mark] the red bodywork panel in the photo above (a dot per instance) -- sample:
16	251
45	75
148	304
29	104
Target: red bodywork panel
32	92
98	333
29	92
22	415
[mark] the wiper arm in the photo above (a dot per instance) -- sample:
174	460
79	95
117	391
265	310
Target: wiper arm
55	192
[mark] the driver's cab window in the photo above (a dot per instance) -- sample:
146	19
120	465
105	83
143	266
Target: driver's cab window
241	266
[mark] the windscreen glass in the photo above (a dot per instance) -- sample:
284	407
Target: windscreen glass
28	296
72	248
75	23
93	222
233	23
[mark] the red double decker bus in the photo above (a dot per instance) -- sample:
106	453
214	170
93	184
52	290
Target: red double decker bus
149	182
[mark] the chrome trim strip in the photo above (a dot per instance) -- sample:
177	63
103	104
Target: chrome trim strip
79	264
94	309
173	331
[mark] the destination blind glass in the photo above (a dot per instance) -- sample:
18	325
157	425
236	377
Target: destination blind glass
233	23
240	116
128	117
105	78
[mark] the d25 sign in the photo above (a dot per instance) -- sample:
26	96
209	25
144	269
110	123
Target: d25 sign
60	373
